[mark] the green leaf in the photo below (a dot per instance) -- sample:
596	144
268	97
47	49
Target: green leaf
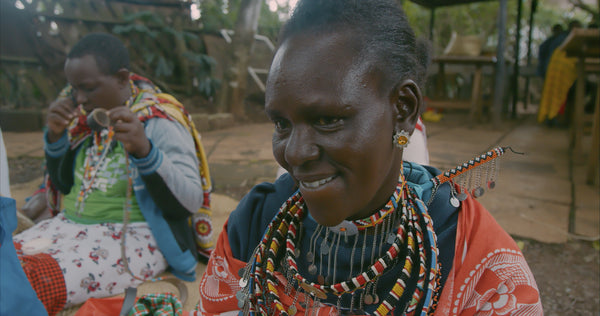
164	67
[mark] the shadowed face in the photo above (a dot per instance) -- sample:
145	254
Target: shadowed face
92	88
333	126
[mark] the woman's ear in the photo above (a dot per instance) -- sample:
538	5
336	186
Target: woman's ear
123	76
407	101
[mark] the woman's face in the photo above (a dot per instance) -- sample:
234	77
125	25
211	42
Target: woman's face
92	88
333	127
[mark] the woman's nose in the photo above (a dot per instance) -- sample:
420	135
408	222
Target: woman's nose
80	97
300	147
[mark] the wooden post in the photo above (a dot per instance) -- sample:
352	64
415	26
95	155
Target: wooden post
515	77
593	159
500	68
529	34
233	90
577	111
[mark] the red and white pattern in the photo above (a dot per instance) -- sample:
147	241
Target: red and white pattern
489	275
508	270
90	255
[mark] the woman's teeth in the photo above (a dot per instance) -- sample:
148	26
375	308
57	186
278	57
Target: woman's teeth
316	184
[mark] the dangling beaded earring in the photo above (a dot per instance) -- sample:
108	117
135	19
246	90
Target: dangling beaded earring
401	139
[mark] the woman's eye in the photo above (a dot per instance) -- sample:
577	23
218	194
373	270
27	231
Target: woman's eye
280	124
328	121
88	89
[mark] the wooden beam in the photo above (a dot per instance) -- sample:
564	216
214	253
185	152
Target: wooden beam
500	68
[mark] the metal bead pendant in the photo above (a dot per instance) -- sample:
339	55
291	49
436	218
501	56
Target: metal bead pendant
241	297
477	192
312	269
310	256
454	202
368	299
292	310
375	298
462	196
324	247
491	184
391	238
243	282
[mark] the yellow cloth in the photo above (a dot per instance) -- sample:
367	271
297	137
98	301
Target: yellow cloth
560	76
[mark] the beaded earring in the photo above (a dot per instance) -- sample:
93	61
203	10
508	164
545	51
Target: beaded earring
401	139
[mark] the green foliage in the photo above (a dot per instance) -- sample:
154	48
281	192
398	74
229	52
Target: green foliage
468	19
270	22
218	14
222	14
481	19
203	68
159	59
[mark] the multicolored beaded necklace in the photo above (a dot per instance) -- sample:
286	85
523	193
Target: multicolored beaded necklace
413	243
93	164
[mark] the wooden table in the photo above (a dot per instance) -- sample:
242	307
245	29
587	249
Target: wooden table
475	104
584	44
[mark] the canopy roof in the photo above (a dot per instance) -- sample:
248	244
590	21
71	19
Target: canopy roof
443	3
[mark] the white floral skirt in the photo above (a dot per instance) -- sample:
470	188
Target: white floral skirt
90	255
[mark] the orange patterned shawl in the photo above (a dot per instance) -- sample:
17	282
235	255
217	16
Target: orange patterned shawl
489	274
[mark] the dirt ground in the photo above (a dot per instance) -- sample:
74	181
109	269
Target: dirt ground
567	275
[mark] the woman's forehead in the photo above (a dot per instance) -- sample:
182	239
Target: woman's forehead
333	62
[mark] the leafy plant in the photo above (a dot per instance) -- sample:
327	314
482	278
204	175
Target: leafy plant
164	54
204	66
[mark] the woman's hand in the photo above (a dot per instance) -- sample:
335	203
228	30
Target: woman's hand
60	114
130	131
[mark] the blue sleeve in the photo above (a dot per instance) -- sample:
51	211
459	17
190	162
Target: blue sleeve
60	162
17	297
248	222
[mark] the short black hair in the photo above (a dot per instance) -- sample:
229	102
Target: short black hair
108	51
380	26
557	29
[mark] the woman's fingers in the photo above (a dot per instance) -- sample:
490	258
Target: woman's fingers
130	131
60	114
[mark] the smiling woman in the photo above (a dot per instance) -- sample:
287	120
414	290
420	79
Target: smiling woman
351	228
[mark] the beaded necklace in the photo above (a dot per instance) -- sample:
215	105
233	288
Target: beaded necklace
135	95
126	216
411	245
93	164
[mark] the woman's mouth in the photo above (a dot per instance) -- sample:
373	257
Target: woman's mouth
317	183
